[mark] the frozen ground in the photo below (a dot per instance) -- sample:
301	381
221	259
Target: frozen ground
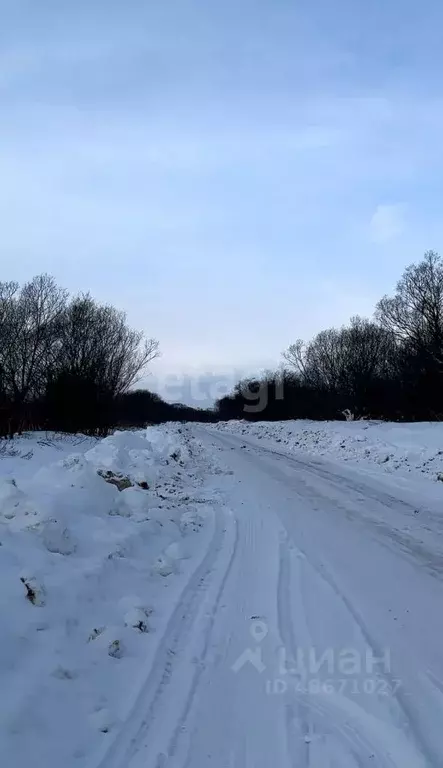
396	448
243	604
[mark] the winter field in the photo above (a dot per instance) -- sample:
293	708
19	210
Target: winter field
239	595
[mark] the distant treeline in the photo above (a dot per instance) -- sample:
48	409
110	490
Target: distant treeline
141	407
70	364
389	367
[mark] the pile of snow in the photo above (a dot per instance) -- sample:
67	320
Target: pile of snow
90	574
397	448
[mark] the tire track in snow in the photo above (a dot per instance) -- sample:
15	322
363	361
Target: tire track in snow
298	744
308	723
410	547
337	715
158	677
404	737
200	666
348	733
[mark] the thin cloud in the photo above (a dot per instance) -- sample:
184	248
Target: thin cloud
387	223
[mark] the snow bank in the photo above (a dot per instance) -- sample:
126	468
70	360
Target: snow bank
397	448
90	574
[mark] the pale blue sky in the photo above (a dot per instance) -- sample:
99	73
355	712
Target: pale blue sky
233	174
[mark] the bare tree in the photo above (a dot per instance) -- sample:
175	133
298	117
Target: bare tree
347	361
50	348
99	359
295	355
30	319
7	295
97	342
415	313
318	362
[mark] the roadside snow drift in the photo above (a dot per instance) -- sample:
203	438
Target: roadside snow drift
396	448
94	549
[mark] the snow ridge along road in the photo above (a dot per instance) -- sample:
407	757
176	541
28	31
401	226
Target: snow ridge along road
398	449
106	557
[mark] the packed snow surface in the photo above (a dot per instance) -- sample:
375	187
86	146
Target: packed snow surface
234	596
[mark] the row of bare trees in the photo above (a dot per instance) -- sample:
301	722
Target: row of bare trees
387	367
64	361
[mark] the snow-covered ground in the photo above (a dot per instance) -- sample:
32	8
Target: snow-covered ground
396	448
193	596
90	575
22	456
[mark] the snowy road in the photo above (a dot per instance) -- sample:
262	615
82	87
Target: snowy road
309	634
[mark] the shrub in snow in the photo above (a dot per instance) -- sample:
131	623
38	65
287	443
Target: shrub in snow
115	649
107	640
35	592
72	461
137	618
6	449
